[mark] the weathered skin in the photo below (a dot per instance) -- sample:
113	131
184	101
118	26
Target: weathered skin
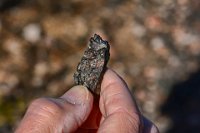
93	64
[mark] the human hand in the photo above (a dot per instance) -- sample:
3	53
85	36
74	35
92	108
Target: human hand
78	111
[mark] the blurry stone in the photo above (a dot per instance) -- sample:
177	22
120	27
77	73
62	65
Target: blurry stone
159	46
63	26
7	82
16	51
41	69
55	87
141	95
182	2
32	33
151	73
184	38
149	107
56	64
120	68
174	61
194	48
153	23
139	30
68	79
141	11
134	68
13	80
157	43
13	46
37	81
19	17
73	59
125	41
4	89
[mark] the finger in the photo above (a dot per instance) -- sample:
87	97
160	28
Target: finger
83	106
64	114
94	118
119	110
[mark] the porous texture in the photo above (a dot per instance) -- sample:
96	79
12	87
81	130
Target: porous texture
93	64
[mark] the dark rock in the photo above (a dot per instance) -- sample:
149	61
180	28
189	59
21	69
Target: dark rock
92	66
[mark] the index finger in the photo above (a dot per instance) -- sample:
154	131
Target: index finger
119	110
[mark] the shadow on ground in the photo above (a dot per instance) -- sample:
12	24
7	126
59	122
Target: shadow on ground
183	106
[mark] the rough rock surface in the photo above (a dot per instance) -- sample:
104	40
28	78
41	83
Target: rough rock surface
93	64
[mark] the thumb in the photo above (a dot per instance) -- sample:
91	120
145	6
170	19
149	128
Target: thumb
79	102
64	114
119	110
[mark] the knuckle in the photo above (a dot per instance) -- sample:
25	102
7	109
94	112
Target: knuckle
132	120
131	123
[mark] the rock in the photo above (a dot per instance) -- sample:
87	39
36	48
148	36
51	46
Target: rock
93	64
32	33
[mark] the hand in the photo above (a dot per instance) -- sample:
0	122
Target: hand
78	111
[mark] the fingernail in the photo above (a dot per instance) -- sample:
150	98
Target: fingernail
77	95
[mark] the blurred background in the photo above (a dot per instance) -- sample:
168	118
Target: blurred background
155	47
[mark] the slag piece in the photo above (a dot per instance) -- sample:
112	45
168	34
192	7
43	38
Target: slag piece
92	66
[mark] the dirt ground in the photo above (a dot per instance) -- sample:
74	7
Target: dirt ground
155	47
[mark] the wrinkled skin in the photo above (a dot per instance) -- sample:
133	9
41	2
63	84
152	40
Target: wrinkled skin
77	111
